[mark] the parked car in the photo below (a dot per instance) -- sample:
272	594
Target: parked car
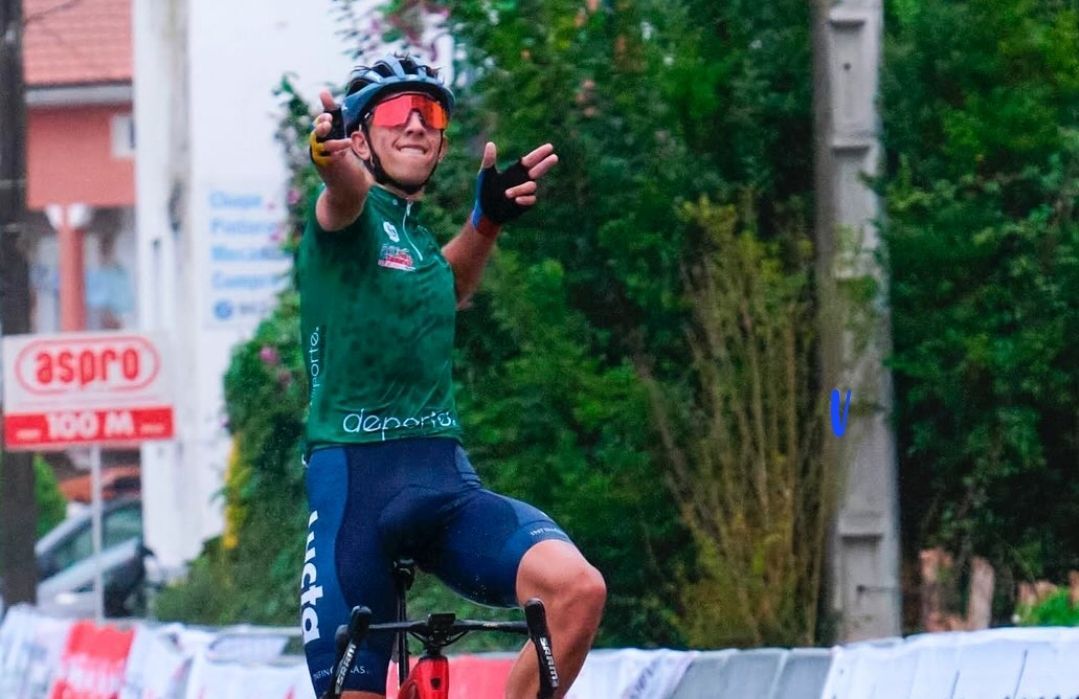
65	563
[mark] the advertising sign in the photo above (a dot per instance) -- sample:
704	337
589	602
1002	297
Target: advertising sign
104	389
246	265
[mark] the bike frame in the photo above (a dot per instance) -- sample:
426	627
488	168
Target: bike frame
430	678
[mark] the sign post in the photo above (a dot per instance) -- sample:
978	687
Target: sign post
95	523
108	389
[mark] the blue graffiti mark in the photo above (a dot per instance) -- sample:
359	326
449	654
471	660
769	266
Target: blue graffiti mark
839	423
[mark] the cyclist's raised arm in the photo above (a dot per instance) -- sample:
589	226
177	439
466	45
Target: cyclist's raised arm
347	180
501	196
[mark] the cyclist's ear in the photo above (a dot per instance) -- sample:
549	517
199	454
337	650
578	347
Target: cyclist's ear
360	144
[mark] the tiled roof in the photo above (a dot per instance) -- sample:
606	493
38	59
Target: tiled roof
69	42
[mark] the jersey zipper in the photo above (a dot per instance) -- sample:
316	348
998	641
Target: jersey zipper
404	230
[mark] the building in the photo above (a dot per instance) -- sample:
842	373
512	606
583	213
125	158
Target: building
80	163
77	61
211	183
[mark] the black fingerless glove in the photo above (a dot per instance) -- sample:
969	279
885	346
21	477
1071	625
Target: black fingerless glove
491	200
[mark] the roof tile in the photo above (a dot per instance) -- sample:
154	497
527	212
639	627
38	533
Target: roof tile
77	41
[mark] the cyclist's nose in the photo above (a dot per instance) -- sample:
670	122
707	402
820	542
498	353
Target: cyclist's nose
415	123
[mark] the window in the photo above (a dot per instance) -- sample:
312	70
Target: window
77	547
123	136
122	525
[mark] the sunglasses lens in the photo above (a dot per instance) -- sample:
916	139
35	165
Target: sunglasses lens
396	111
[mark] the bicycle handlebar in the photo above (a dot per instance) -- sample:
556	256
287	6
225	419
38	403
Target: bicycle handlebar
441	630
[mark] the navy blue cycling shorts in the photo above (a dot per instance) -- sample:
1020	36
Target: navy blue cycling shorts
411	498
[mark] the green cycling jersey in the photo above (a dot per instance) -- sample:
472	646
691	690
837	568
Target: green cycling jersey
377	317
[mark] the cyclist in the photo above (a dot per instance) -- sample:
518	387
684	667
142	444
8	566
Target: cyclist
386	474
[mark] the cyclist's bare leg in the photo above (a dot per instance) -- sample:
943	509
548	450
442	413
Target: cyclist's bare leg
574	594
362	695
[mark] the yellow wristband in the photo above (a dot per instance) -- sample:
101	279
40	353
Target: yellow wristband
318	156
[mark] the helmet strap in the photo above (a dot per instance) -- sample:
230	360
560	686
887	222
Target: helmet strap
382	177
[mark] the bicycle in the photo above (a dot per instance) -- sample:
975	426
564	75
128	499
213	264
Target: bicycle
430	677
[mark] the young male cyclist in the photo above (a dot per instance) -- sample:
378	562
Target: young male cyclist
386	474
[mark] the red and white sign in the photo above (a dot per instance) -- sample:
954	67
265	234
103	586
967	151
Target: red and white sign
92	665
85	389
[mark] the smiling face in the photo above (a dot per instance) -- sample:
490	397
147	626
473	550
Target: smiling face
408	152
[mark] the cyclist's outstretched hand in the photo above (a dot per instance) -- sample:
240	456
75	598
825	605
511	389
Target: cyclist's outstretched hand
338	166
503	196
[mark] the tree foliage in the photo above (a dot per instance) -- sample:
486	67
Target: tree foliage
51	505
981	116
744	463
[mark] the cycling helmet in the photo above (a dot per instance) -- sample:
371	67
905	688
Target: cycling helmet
388	76
399	73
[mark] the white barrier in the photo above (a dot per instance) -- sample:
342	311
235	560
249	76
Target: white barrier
631	674
176	662
994	664
30	650
225	680
158	664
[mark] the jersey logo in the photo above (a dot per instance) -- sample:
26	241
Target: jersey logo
391	231
394	257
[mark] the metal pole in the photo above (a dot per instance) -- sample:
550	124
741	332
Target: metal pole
99	577
18	508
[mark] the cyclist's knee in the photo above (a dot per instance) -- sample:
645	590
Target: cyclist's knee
558	574
586	588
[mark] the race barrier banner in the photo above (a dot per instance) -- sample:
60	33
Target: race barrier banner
30	649
47	658
1021	663
92	663
631	674
211	679
158	663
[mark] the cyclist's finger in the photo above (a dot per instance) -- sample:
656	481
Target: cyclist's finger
525	201
337	145
322	126
521	190
537	156
544	165
326	98
490	153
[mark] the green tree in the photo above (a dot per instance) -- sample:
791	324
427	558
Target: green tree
51	505
981	122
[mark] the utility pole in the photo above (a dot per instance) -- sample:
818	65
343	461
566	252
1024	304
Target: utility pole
18	508
863	567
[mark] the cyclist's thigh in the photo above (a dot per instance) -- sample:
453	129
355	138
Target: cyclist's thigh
343	566
482	540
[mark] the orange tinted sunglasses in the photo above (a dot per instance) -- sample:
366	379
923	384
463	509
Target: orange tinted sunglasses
396	111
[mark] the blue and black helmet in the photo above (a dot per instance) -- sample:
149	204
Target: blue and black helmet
367	85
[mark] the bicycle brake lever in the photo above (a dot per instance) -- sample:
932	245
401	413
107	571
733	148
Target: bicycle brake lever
536	619
340	643
358	622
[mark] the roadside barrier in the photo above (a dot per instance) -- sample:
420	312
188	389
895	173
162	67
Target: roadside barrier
46	658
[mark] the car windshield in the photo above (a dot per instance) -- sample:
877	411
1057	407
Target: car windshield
121	524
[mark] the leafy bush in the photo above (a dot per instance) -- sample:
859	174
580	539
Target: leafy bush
51	504
251	572
1054	610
